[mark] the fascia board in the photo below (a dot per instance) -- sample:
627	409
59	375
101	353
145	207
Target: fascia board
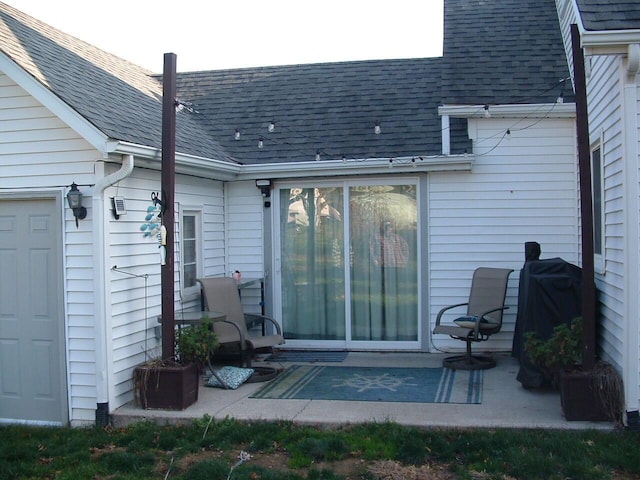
541	110
375	166
55	104
609	42
151	157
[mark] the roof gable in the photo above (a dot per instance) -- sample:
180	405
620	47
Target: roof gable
121	99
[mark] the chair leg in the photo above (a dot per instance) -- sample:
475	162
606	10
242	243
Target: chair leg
469	361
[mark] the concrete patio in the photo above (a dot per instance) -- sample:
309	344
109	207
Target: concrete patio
504	404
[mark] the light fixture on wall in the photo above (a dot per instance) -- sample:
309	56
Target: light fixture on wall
265	188
74	197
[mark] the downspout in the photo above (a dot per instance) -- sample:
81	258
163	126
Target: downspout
632	274
100	259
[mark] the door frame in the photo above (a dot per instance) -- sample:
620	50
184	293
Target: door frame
346	183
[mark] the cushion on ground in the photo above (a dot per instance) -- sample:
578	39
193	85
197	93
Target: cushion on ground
233	377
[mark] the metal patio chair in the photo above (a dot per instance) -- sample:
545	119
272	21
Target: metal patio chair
483	317
239	332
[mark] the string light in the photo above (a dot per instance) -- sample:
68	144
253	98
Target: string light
508	134
261	142
487	113
344	159
237	134
317	155
272	126
377	129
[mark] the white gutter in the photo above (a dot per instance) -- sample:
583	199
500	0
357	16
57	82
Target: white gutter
368	166
150	157
102	314
529	110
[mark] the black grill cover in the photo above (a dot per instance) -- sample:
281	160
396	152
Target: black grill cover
549	294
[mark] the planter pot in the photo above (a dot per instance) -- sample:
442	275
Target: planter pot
173	387
579	398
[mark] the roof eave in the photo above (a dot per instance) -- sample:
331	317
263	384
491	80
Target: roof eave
92	134
352	167
150	157
608	42
540	110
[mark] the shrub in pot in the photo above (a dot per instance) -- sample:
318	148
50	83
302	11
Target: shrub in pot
173	384
592	395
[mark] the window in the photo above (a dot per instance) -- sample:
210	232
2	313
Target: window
598	208
190	251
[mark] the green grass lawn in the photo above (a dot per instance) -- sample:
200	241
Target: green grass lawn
210	450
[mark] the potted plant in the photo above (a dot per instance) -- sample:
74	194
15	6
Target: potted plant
591	395
173	384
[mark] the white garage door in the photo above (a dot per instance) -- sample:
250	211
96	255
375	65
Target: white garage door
32	372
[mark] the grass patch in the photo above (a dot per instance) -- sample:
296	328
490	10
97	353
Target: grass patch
281	450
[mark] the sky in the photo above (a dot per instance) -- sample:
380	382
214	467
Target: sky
224	34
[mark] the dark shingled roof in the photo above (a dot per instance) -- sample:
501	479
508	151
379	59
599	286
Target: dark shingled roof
610	14
507	51
331	108
119	98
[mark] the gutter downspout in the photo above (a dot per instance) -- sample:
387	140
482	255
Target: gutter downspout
102	315
632	272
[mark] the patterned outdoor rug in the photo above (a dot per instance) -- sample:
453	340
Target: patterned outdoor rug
308	356
376	384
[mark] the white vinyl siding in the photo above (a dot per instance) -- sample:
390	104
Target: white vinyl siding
134	318
519	190
40	153
245	237
605	123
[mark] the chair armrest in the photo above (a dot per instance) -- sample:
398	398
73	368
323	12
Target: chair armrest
439	317
241	338
480	317
255	318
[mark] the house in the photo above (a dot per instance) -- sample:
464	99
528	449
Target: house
288	174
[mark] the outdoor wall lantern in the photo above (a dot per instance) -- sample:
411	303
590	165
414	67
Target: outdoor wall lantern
265	188
74	197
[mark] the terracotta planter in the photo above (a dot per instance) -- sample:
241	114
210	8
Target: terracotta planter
172	387
579	398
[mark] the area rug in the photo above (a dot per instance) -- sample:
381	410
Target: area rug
308	356
375	384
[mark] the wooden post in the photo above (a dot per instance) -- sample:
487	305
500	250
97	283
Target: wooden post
168	183
586	204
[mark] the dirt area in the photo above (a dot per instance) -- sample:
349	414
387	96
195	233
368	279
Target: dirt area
356	468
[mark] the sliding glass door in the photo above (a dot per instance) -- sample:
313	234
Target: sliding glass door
348	264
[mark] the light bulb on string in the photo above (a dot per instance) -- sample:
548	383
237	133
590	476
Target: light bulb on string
317	155
508	134
377	129
487	113
260	142
236	135
272	126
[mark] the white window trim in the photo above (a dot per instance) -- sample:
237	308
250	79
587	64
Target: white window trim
189	293
599	258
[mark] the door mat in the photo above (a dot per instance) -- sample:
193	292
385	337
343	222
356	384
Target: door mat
309	356
374	384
